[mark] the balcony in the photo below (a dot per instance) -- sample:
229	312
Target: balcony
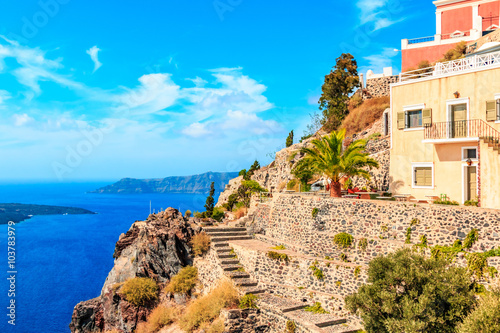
438	38
461	131
463	65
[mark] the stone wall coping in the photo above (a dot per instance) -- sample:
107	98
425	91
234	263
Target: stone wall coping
259	246
400	203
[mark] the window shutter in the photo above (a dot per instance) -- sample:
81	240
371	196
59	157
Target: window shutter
401	120
491	110
426	117
423	176
428	176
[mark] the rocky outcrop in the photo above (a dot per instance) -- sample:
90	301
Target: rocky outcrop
156	248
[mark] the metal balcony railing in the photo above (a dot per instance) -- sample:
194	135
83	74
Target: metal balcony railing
475	128
454	66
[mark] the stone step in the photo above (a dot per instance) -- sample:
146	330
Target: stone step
282	303
228	268
227	234
238	275
317	319
253	290
245	283
224	249
217	230
343	328
221	245
229	261
226	239
226	255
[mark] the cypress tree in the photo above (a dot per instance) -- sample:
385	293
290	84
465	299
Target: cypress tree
209	204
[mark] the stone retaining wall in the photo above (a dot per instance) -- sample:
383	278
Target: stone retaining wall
379	87
209	270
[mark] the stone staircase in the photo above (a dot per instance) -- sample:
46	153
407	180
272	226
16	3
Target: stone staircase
281	306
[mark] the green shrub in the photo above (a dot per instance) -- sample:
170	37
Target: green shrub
200	243
472	203
218	214
343	240
279	247
248	301
414	222
187	213
291	184
408	236
471	238
184	281
477	264
278	256
290	326
343	257
318	273
404	281
140	291
316	308
485	318
363	244
357	271
446	202
423	241
199	215
315	212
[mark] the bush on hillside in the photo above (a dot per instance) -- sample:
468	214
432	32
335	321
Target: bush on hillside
218	214
200	243
216	327
343	240
248	301
205	309
407	292
485	318
184	281
160	317
140	291
365	115
187	213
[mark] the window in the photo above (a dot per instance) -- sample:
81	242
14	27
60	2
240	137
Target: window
414	119
422	175
493	110
469	152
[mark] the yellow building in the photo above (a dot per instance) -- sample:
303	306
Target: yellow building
445	124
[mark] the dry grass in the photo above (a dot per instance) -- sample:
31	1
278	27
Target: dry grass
282	185
160	317
183	282
114	330
365	115
200	243
216	327
240	212
207	308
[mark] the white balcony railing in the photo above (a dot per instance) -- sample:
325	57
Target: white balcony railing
454	66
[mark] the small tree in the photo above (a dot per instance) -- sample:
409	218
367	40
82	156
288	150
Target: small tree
209	204
254	167
187	213
289	139
485	318
336	91
407	292
327	157
247	188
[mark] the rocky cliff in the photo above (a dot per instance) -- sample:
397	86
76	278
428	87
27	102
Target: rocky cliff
181	184
156	248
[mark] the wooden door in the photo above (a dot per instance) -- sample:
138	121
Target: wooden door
459	120
472	183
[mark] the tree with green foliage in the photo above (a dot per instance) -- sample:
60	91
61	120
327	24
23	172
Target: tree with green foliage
328	157
485	318
289	139
254	167
246	189
231	201
303	173
243	173
336	91
407	292
210	203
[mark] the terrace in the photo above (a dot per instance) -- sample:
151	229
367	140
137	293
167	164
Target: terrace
459	66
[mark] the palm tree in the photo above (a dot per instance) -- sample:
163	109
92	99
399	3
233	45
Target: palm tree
329	158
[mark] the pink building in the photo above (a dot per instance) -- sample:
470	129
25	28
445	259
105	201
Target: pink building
456	20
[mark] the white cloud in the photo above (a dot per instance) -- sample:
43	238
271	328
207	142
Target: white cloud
93	53
382	13
377	62
196	130
198	82
237	120
22	119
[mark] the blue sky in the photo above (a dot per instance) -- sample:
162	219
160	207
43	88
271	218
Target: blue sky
100	90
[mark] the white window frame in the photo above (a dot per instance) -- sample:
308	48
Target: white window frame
464	158
421	165
497	97
414	107
456	101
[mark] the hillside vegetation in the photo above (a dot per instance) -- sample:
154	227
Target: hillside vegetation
364	115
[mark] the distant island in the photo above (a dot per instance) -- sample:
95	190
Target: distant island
19	212
180	184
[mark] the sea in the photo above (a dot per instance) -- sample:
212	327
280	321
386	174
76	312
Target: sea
63	260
